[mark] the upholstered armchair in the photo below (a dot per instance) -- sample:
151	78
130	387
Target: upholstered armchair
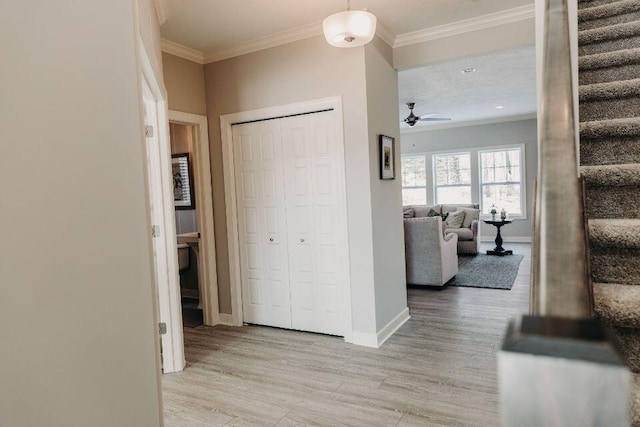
431	257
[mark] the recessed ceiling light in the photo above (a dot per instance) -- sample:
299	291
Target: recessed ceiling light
468	70
500	107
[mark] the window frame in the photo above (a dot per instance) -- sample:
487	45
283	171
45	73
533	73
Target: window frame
434	173
426	180
522	182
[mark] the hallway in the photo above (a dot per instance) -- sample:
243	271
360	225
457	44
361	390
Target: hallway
438	369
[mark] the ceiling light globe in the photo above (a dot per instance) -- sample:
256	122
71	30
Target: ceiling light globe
351	28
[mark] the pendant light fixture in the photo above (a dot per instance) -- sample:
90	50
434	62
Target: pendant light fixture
350	28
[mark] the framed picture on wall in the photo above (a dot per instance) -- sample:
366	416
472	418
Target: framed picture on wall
183	197
387	157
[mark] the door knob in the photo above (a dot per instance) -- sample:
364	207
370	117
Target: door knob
271	239
301	240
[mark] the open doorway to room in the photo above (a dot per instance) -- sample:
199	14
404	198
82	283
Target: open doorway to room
193	214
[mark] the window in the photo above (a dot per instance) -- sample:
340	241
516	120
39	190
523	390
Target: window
501	177
414	180
452	178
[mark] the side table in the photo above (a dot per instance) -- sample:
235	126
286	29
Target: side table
499	250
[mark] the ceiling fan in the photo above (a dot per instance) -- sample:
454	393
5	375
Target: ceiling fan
412	119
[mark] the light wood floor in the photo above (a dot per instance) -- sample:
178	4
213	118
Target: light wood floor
439	369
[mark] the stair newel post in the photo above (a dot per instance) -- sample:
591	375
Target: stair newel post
559	366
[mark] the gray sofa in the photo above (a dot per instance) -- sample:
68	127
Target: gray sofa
468	234
431	257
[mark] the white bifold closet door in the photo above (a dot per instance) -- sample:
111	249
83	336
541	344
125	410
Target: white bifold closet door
289	213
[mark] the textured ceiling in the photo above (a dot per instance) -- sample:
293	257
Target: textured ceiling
209	25
506	78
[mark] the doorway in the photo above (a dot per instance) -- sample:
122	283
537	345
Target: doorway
195	235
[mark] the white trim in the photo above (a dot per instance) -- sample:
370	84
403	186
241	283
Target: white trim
208	275
390	328
168	291
260	43
465	26
449	125
181	51
226	131
385	34
507	239
226	319
161	10
375	340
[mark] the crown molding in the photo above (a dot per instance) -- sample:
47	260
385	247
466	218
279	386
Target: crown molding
260	43
181	51
385	34
161	10
451	125
465	26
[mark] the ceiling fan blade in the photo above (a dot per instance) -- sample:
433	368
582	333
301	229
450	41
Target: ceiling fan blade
429	115
434	119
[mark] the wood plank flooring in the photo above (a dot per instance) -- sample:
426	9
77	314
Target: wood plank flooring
439	369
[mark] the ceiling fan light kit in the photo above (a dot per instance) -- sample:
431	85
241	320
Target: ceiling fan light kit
351	28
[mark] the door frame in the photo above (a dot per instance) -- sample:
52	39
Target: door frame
228	162
168	289
207	270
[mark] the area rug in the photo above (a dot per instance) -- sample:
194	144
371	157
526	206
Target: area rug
487	271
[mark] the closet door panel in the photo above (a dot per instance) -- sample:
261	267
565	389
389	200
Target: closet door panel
262	224
312	207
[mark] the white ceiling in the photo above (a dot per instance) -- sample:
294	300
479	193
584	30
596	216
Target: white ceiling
506	78
211	25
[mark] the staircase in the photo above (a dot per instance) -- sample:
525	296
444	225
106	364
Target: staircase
609	49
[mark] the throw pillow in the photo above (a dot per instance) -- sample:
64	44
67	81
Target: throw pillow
470	215
455	219
408	212
432	213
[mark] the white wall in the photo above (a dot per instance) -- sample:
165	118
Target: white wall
78	346
489	135
386	195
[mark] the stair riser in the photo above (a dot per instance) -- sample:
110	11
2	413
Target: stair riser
610	74
605	109
630	342
610	20
613	202
615	266
609	45
609	151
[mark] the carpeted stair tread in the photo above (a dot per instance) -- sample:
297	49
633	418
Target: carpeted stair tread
629	339
609	38
608	14
617	304
612	175
585	4
610	128
611	32
609	59
609	151
613	66
610	100
610	90
616	233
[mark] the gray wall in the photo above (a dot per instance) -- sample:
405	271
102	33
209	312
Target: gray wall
301	71
80	344
489	135
386	195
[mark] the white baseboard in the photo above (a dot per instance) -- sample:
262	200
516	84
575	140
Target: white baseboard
370	339
226	319
391	327
507	239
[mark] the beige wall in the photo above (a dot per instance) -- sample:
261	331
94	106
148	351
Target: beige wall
184	80
386	195
79	341
505	36
296	72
